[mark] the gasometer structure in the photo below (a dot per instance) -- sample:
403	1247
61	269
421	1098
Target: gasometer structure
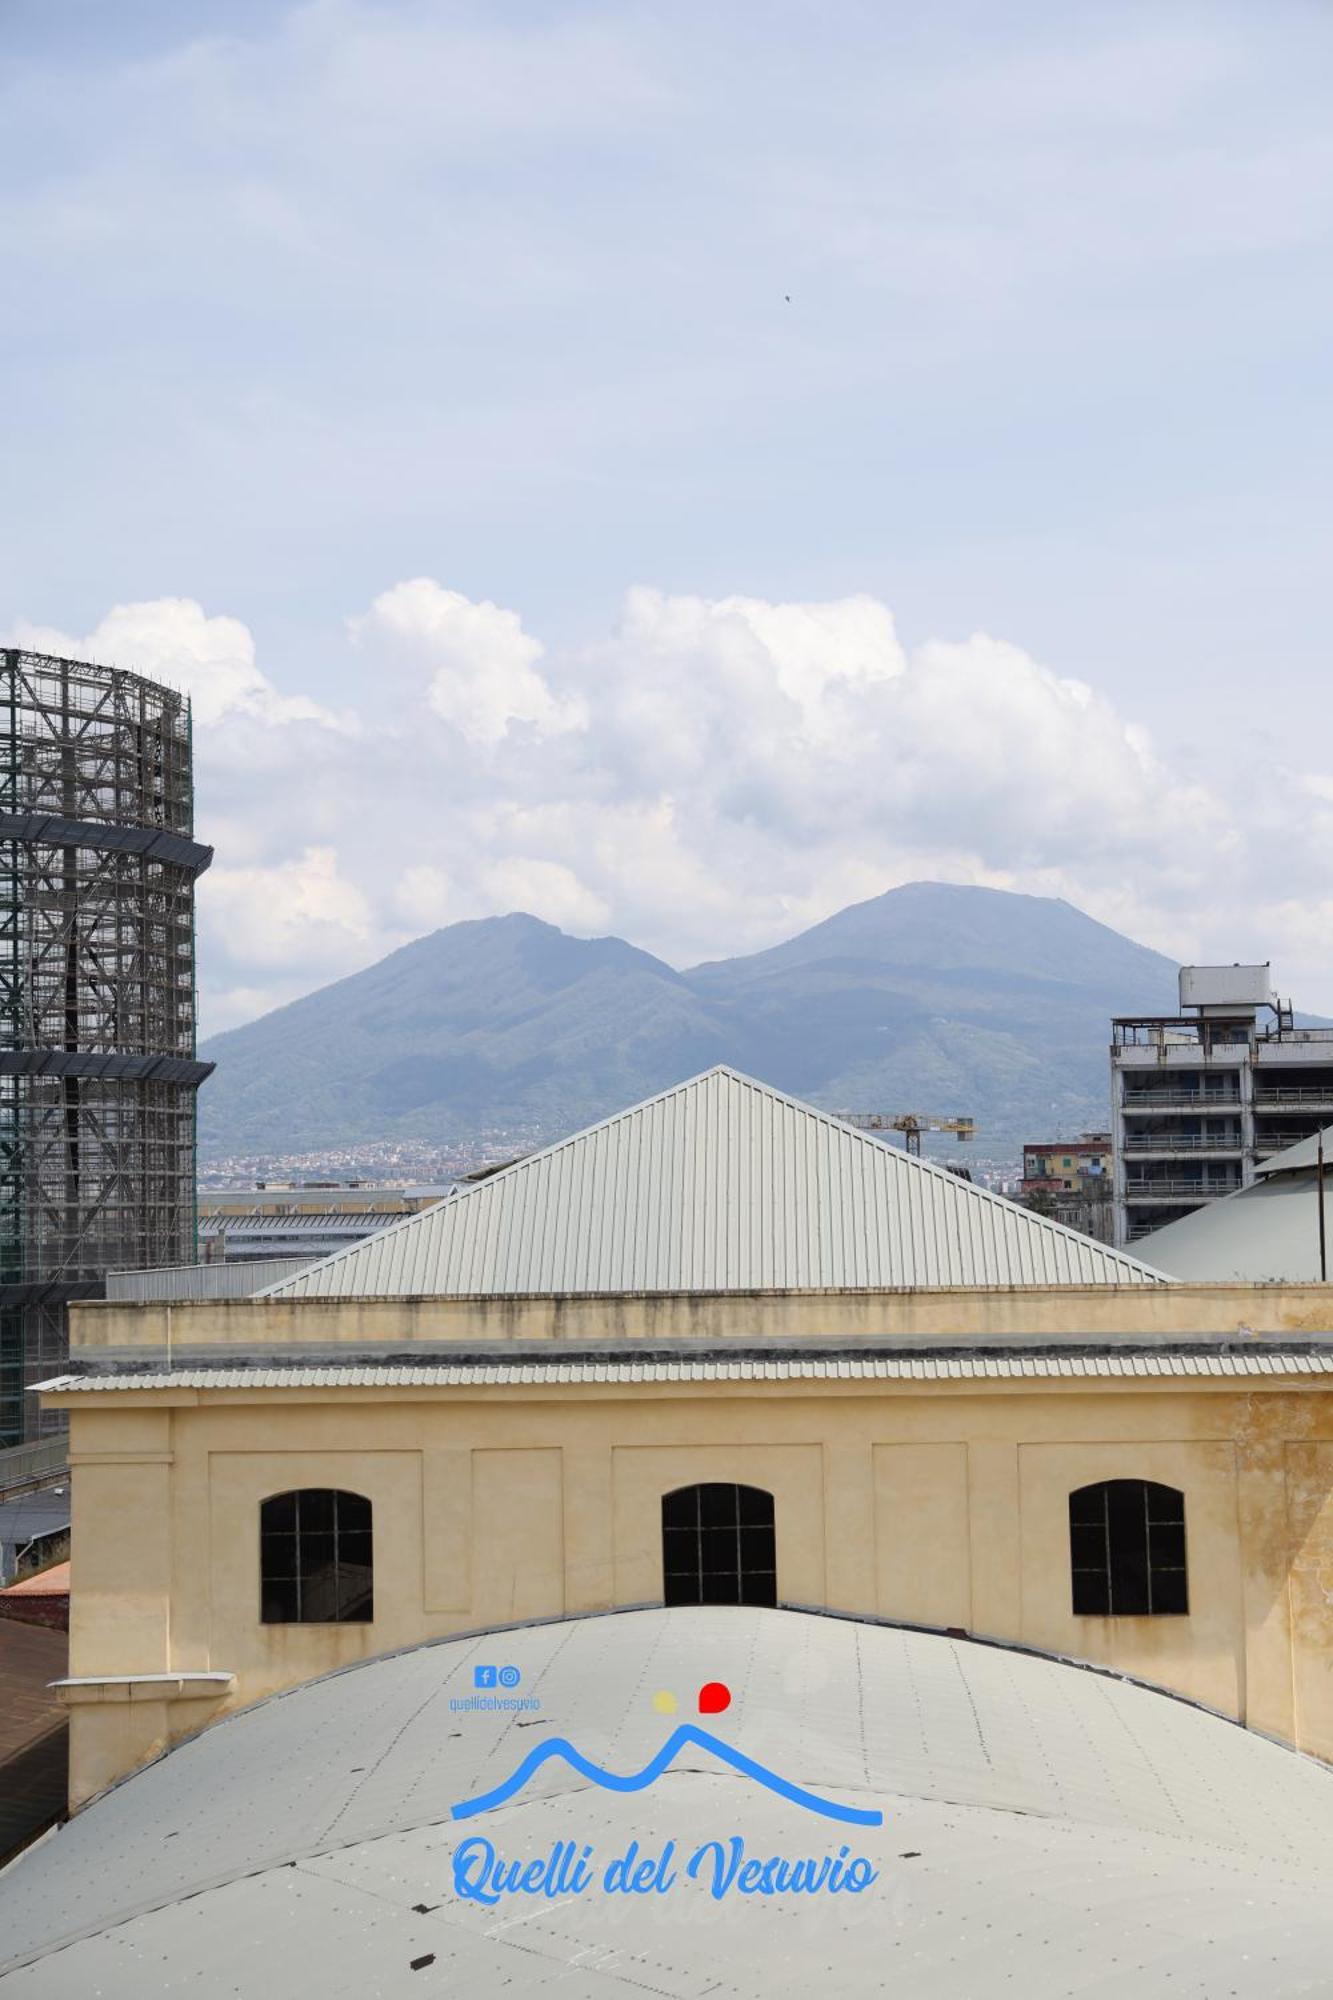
98	1076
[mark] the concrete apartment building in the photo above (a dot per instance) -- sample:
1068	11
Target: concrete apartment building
1200	1098
1070	1180
1058	1166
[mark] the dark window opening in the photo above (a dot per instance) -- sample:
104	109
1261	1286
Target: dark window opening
316	1564
1127	1550
719	1546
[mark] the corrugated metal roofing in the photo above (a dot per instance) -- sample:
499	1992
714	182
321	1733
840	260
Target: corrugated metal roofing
1263	1233
719	1184
328	1222
1046	1832
780	1368
237	1279
32	1515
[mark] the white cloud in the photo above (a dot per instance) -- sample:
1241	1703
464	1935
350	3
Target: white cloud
482	664
301	913
809	725
708	777
522	883
173	639
426	898
233	1006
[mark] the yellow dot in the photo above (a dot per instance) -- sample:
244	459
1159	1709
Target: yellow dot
664	1703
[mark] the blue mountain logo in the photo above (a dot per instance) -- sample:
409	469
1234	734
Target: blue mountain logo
638	1781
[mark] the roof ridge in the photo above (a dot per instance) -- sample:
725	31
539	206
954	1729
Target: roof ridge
908	1172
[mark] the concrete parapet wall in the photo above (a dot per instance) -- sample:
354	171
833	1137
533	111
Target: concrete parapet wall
103	1330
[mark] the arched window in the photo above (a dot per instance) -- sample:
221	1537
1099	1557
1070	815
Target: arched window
718	1546
316	1565
1127	1550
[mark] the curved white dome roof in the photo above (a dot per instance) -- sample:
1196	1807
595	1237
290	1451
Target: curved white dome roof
1047	1831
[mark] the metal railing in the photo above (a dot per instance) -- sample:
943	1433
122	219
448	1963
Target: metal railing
26	1466
1299	1093
1181	1100
1182	1031
1165	1190
1182	1142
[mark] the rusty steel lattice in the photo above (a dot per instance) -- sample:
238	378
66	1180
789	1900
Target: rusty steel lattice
97	999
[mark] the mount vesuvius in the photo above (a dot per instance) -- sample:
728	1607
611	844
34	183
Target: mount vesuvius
932	998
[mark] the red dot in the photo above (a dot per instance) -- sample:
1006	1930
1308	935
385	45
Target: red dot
714	1696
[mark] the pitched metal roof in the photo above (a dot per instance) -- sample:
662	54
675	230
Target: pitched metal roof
1267	1232
238	1278
718	1184
32	1515
1304	1154
1046	1830
296	1222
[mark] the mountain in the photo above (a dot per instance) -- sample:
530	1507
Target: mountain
947	1000
931	998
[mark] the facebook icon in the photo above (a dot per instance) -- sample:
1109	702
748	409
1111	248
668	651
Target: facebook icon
483	1677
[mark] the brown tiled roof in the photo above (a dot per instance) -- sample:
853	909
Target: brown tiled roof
30	1656
53	1582
34	1732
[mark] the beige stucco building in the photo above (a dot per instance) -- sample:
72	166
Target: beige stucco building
1090	1463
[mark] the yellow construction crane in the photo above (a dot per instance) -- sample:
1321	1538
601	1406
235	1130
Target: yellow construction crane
910	1123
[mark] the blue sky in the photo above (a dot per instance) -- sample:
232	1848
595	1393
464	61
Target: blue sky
1010	322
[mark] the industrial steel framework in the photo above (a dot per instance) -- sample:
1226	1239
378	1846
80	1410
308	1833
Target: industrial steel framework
97	998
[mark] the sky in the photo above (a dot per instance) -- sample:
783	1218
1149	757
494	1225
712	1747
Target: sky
679	469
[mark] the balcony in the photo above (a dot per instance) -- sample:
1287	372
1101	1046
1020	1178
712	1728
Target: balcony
1186	1031
1279	1096
1147	1225
1146	1102
1181	1034
1277	1142
1182	1142
1164	1190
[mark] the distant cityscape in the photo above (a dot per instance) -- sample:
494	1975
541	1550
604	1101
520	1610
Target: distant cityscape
395	1162
376	1163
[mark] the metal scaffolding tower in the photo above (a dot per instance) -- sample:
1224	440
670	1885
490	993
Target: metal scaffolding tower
97	998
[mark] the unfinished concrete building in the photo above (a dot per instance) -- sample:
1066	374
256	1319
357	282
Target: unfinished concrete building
1199	1099
97	998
